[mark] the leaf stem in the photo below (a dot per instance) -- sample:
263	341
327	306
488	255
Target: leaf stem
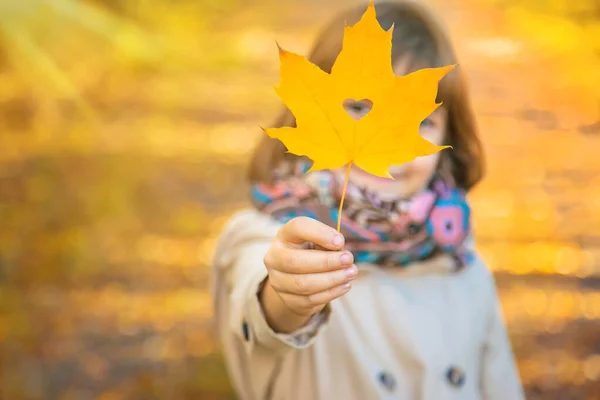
339	221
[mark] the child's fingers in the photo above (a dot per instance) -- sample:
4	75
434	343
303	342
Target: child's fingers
309	284
316	300
303	229
298	261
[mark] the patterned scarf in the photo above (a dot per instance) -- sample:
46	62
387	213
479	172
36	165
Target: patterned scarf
393	232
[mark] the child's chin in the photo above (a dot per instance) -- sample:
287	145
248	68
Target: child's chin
400	175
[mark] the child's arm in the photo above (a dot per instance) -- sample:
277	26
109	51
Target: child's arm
500	378
269	290
252	342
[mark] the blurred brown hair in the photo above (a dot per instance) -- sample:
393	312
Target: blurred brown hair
420	37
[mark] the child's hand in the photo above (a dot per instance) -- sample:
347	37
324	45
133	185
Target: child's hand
306	280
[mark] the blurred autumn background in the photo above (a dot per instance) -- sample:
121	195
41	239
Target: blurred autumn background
125	127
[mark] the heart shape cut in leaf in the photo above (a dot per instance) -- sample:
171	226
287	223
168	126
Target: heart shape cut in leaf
386	134
357	109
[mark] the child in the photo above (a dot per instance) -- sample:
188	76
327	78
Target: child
422	320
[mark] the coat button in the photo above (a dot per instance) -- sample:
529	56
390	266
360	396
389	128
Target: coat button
387	380
455	376
245	330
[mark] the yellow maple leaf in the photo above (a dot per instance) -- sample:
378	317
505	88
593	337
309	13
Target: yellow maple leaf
393	107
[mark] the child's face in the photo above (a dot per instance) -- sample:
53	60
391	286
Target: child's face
413	176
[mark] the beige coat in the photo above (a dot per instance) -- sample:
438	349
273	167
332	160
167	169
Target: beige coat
422	333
